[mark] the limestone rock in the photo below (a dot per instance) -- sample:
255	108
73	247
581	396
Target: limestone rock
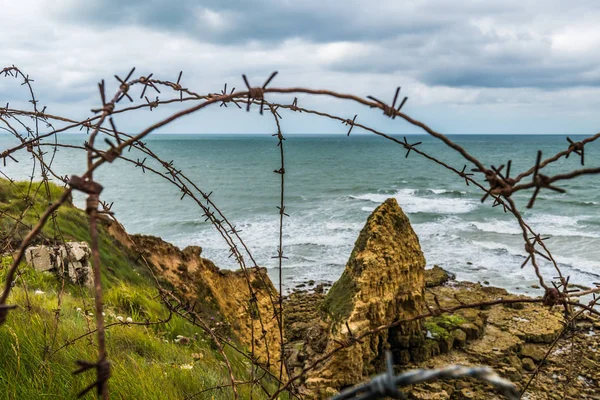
42	258
539	326
221	296
528	364
428	395
535	352
494	343
382	283
437	276
71	260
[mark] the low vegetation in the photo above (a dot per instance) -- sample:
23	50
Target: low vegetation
54	323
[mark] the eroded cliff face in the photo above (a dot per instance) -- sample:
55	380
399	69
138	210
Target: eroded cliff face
382	283
222	297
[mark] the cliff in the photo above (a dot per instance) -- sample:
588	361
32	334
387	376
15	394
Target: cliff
54	324
220	295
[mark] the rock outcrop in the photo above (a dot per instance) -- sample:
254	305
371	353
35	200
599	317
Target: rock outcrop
382	283
221	296
513	339
71	260
437	276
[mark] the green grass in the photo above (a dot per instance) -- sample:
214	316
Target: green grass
147	362
70	224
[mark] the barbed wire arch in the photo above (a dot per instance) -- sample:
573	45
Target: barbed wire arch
494	182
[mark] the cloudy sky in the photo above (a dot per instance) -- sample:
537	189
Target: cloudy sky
511	66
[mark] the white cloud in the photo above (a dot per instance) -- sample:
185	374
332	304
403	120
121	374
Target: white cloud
213	20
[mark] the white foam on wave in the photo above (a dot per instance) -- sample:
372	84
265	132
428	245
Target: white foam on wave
448	226
453	242
553	219
546	224
309	242
499	247
560	225
580	265
372	197
413	204
438	191
342	225
498	226
444	191
265	233
579	268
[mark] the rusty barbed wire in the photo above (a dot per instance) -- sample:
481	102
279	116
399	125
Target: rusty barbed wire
280	255
39	156
496	184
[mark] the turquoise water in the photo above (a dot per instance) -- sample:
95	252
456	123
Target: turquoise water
333	182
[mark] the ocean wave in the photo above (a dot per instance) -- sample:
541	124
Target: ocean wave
584	272
498	226
577	267
447	228
189	222
546	224
413	204
579	202
553	220
560	225
591	220
339	226
372	197
446	191
499	248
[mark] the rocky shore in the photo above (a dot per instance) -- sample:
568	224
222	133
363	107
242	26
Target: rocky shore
384	301
385	281
513	340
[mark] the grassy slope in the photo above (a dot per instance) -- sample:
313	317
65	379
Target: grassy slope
146	361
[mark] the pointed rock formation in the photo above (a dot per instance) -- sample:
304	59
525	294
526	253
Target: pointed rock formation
382	283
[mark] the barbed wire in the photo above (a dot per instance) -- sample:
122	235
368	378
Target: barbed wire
495	183
387	384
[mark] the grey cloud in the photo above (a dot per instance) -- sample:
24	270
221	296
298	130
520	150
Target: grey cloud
463	56
509	75
434	41
264	20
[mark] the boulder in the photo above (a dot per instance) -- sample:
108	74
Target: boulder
528	364
437	276
71	260
536	352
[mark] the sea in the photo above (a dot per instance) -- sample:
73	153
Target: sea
333	183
